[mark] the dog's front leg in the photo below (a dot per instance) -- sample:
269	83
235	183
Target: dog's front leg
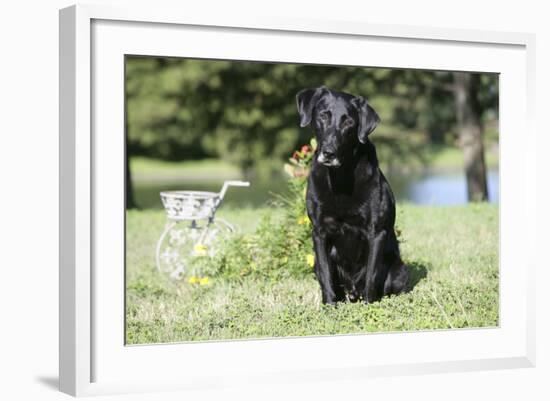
372	290
324	270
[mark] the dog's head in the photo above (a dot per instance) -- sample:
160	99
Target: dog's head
340	122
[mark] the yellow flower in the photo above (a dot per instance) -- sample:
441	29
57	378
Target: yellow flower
310	259
198	280
303	220
200	249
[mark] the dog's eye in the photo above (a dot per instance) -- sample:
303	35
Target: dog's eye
325	116
347	123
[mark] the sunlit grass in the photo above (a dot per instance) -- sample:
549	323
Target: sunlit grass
452	253
144	168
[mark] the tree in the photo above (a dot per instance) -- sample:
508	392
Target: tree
470	130
130	202
245	112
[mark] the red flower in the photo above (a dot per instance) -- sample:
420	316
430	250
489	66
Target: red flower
305	149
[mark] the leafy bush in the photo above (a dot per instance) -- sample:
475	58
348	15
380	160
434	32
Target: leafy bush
281	246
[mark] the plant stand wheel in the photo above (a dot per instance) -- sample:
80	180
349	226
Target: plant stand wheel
183	240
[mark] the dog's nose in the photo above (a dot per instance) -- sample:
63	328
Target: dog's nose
328	155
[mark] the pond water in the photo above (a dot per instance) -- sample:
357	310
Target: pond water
439	188
430	188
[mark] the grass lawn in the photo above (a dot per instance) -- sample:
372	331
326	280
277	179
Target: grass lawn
148	169
452	253
452	158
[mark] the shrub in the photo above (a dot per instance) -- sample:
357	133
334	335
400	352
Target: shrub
281	246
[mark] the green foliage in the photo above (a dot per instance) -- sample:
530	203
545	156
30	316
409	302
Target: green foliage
245	112
280	247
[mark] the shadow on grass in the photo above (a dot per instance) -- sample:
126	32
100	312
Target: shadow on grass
417	272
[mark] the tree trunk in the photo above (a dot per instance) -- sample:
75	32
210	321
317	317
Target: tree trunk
470	130
130	203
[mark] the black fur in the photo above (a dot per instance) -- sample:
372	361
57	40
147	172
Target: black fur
349	201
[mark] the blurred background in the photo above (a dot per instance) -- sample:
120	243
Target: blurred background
191	124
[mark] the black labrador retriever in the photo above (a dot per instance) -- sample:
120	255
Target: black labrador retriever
349	201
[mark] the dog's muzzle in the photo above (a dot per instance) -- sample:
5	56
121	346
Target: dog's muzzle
328	159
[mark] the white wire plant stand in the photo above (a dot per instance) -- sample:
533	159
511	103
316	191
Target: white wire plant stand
192	229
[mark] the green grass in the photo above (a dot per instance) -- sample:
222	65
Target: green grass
147	169
438	158
452	253
451	158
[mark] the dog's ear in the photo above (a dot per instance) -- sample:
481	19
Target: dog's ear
368	118
306	100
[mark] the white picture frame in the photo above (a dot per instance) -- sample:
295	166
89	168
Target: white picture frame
93	357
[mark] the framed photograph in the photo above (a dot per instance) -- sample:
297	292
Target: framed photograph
273	200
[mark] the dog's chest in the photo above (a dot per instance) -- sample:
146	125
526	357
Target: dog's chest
342	203
343	215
